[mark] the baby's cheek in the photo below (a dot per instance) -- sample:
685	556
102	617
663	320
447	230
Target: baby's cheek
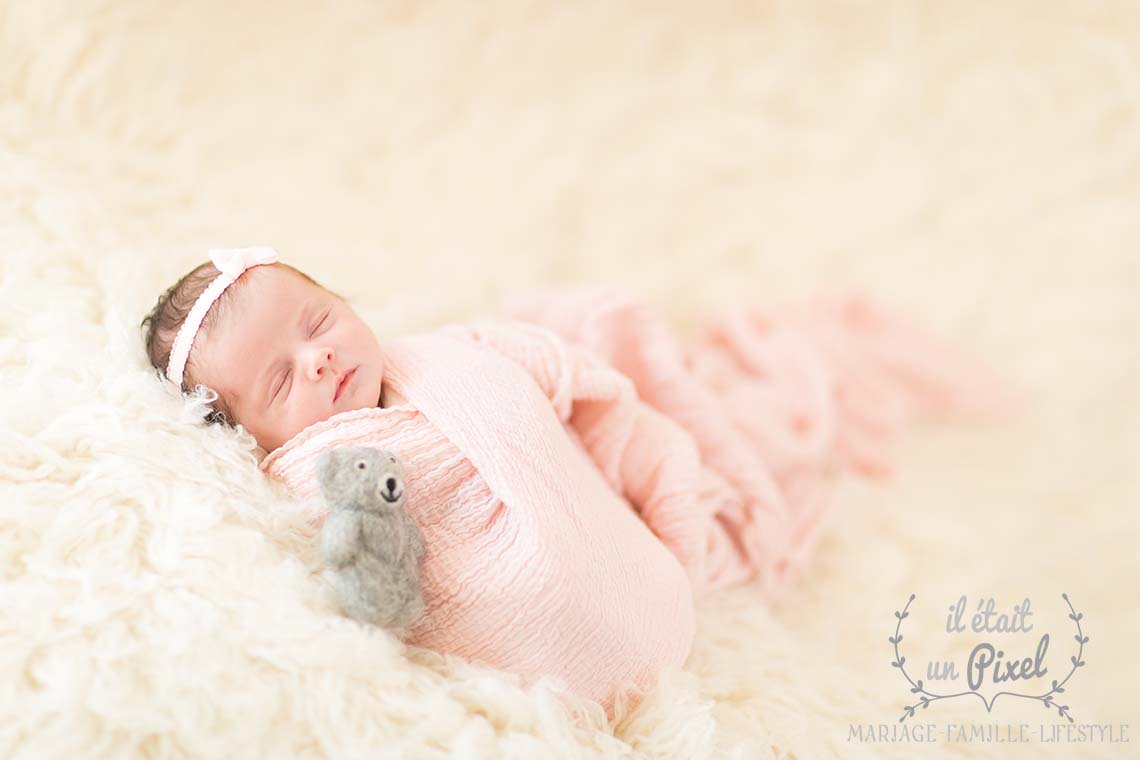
311	417
285	426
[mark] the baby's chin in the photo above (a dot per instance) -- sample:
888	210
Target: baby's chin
367	396
352	407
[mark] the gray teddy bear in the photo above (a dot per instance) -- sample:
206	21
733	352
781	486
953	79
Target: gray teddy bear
370	546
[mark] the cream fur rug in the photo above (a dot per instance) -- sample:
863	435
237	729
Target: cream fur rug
974	166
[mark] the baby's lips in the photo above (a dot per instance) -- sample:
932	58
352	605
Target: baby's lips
345	379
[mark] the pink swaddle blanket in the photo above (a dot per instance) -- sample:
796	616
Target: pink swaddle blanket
579	475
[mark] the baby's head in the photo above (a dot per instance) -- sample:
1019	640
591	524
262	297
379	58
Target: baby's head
274	346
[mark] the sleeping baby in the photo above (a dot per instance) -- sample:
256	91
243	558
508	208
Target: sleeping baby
576	473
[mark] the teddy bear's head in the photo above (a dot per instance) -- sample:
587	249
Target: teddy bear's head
360	477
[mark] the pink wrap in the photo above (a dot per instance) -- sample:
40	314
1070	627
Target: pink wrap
579	475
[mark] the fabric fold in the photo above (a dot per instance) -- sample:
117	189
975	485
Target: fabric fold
778	404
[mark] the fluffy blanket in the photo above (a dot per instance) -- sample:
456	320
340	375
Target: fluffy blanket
972	164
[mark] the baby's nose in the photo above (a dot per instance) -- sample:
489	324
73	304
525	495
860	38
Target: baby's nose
319	364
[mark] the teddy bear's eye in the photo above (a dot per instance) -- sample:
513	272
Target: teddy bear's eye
361	466
392	460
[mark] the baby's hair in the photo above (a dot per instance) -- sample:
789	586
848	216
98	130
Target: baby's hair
171	310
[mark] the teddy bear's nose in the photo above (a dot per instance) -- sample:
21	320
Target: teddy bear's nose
391	483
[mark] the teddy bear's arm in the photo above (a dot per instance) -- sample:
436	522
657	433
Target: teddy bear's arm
340	538
417	541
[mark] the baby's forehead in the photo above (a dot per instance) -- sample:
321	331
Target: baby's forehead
271	289
277	279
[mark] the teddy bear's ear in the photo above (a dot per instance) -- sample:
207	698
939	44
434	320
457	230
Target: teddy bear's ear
326	464
385	456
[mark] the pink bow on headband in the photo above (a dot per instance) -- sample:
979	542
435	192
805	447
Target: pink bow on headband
234	261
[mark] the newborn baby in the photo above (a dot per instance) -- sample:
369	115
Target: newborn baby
538	566
575	472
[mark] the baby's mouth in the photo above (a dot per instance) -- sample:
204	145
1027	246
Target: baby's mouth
344	381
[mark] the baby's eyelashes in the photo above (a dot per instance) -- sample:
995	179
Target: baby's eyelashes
281	385
318	327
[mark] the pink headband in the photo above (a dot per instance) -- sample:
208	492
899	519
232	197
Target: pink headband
231	262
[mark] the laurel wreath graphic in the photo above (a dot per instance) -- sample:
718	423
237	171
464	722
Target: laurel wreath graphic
1046	699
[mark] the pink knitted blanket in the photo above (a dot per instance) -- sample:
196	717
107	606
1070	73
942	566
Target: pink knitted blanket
578	473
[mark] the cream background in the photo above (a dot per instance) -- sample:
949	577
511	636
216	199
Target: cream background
975	166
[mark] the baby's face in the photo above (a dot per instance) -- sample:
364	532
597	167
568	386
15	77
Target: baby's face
280	355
